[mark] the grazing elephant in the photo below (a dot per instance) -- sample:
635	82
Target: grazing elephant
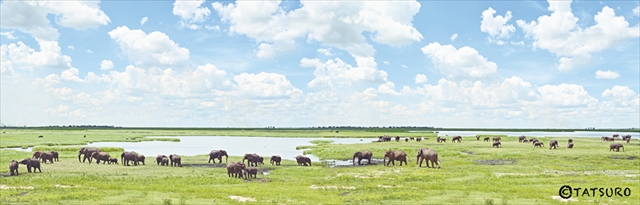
251	171
477	137
616	146
217	154
522	138
235	169
46	156
570	145
419	139
362	155
456	138
429	155
159	158
525	141
538	144
553	144
141	159
13	167
87	151
395	155
164	161
101	156
128	156
113	160
303	160
252	159
496	139
37	154
496	144
276	159
31	163
175	160
55	156
441	139
486	139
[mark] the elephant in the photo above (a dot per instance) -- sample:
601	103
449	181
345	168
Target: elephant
419	139
616	146
604	138
538	144
525	141
217	154
429	155
522	138
626	138
534	140
406	139
164	161
496	144
113	160
141	159
235	169
412	138
37	154
570	140
101	156
486	139
570	145
303	160
456	138
55	156
397	138
395	155
362	155
276	159
127	156
441	139
87	151
175	160
553	144
616	135
13	167
46	156
251	171
252	159
496	139
477	137
159	158
31	163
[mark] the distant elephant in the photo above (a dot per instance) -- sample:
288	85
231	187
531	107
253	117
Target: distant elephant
235	169
533	140
441	139
87	151
538	144
456	138
251	171
412	138
55	156
217	154
101	156
128	156
159	158
164	161
46	156
406	139
522	138
141	159
252	159
570	145
616	135
429	155
37	154
477	137
362	155
496	139
486	139
570	140
553	144
525	141
616	146
13	167
397	138
395	155
31	163
113	160
303	160
418	139
276	159
496	144
175	160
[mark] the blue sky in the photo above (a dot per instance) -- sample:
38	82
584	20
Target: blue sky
558	64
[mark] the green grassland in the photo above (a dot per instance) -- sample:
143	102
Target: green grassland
520	174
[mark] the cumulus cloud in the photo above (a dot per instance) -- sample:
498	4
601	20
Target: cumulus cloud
325	51
8	35
636	11
71	74
565	95
265	85
190	13
153	49
336	71
421	79
143	20
607	74
22	56
463	63
497	26
106	65
388	88
559	33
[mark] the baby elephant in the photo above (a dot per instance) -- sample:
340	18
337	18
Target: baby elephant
164	161
13	167
553	144
276	159
113	160
570	145
538	144
251	172
496	144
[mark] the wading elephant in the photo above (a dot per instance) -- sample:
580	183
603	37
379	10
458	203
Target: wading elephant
616	146
456	138
86	152
252	159
164	161
46	156
141	159
395	155
553	144
217	154
113	160
303	160
31	163
522	138
175	160
429	155
101	156
13	167
235	169
276	159
129	156
251	172
362	155
496	144
538	144
159	158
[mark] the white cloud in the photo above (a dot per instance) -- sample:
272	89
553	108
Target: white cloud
607	74
386	62
325	51
71	74
421	79
463	63
213	28
619	92
636	11
8	35
106	65
404	66
454	36
565	95
71	47
153	49
190	12
143	20
22	56
559	33
89	51
496	27
336	71
264	85
388	88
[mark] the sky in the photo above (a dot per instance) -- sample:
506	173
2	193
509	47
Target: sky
481	64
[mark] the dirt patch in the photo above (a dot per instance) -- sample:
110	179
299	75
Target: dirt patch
625	157
564	200
495	162
242	199
331	187
5	187
468	152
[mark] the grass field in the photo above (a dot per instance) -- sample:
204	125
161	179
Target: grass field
472	172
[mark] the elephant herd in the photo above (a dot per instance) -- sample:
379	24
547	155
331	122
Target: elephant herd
33	162
430	155
241	170
387	138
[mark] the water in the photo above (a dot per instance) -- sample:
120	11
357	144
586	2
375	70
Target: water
634	135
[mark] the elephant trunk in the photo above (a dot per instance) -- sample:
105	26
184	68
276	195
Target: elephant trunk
384	161
417	159
79	153
226	159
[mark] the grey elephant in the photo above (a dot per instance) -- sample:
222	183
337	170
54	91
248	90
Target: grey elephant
395	155
113	160
496	144
235	169
616	146
538	144
175	160
362	155
275	159
522	138
31	163
159	158
252	159
303	160
164	161
553	144
217	154
46	156
570	145
496	139
86	152
251	172
101	156
429	155
129	156
456	138
141	159
55	156
13	167
486	139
